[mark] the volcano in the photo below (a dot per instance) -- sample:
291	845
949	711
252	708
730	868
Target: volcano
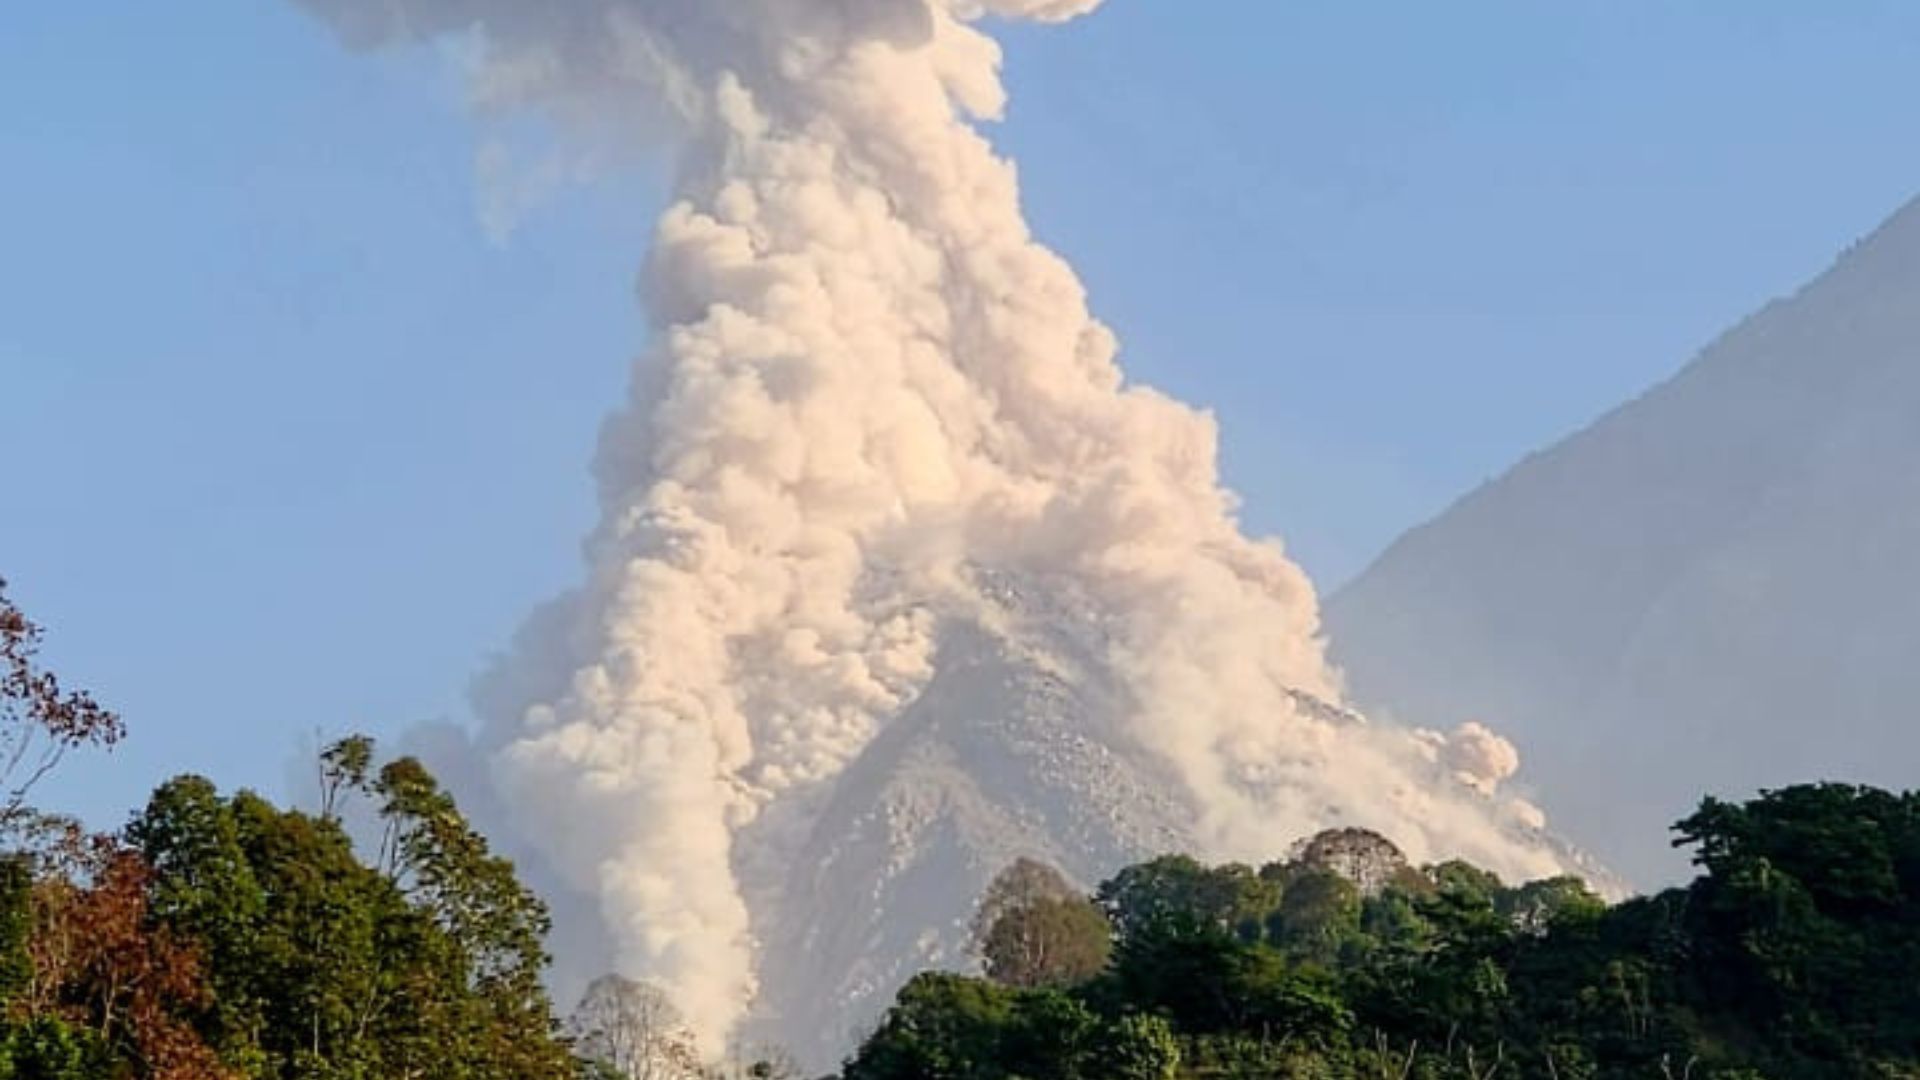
1713	588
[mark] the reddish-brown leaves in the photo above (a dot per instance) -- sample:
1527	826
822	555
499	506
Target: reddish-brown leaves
39	720
100	963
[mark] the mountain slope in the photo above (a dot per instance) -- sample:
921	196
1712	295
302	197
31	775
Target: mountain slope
1716	587
999	758
1014	749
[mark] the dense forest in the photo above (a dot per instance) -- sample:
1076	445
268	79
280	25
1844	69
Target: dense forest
375	936
1796	953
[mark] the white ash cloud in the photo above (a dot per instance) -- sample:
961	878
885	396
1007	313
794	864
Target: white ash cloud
869	381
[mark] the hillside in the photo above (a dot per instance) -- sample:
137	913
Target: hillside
1712	587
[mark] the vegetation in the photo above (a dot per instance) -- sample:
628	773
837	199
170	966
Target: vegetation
1796	953
222	937
40	721
1033	930
219	937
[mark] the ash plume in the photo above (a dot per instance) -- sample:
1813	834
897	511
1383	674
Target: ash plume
869	387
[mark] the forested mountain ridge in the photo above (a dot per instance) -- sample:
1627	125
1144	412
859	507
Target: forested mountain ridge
1792	955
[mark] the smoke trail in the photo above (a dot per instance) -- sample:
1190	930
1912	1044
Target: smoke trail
870	382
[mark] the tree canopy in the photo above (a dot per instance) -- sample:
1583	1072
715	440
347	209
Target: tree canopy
219	937
1794	954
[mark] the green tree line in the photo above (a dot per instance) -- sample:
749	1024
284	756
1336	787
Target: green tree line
220	937
217	936
1795	953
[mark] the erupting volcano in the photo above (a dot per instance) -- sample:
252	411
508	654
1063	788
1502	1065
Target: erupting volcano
896	576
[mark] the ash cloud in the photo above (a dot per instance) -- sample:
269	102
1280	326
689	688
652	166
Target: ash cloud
869	383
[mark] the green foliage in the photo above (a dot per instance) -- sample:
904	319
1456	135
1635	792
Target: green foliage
426	963
1539	906
1034	930
1048	942
941	1027
1319	916
1809	918
16	927
51	1049
1207	981
1793	955
1141	1047
950	1027
221	937
1176	887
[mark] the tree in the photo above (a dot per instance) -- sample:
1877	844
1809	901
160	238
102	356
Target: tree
1210	982
950	1027
753	1060
1175	887
1318	916
327	968
306	946
222	937
102	965
1849	846
1364	857
344	768
941	1027
1141	1047
1048	943
37	1043
63	900
1808	916
1050	1035
446	867
634	1030
1023	883
1537	906
16	928
1033	929
1792	955
203	888
40	720
447	871
46	1048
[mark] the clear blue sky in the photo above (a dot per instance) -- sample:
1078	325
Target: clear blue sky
290	445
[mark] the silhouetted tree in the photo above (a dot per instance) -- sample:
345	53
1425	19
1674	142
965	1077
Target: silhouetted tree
634	1030
40	720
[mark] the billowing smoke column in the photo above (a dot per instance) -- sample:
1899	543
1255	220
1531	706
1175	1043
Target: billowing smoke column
870	384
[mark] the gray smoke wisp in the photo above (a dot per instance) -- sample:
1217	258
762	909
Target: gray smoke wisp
868	385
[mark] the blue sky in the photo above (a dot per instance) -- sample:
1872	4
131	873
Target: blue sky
292	444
